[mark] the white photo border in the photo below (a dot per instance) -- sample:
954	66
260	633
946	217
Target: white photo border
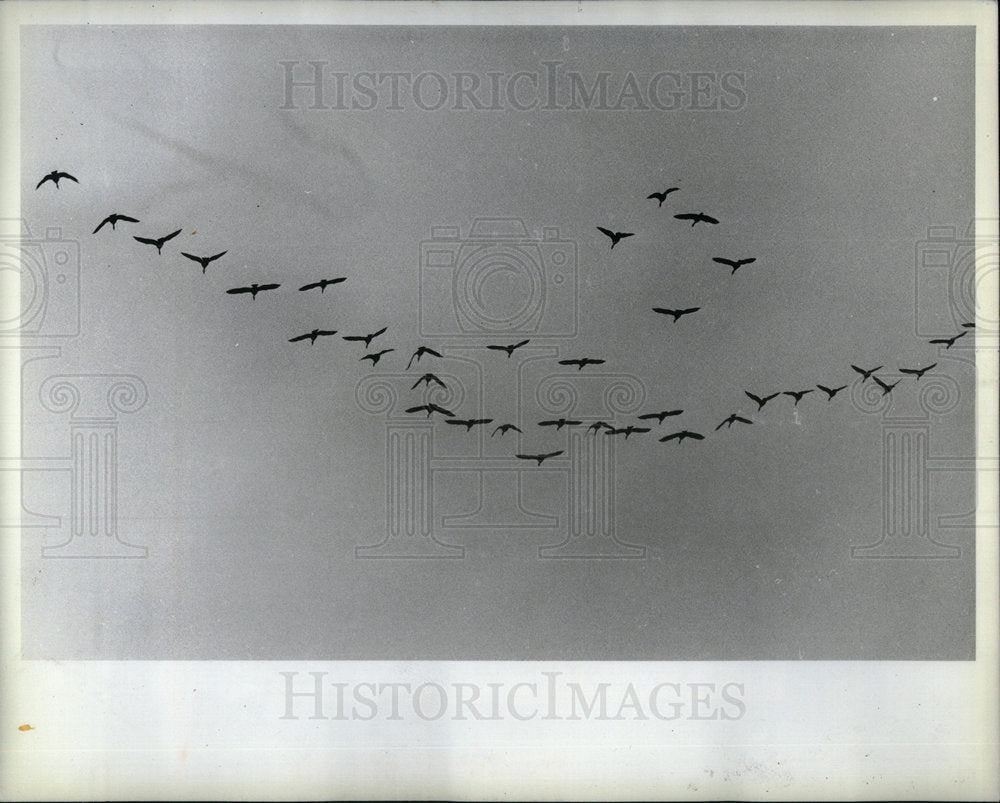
749	730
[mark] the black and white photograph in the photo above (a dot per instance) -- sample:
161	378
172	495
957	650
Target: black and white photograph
398	386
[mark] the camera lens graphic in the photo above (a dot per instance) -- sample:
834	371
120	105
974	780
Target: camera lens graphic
975	268
20	305
499	288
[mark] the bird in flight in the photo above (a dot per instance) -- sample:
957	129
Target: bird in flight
676	313
54	177
113	219
735	264
203	261
322	284
728	423
917	372
696	217
616	236
311	336
469	423
948	342
420	352
158	242
376	355
797	394
253	289
366	339
831	392
659	416
761	401
886	389
427	379
865	374
503	429
680	436
539	457
626	430
661	196
559	423
430	408
598	425
509	349
580	363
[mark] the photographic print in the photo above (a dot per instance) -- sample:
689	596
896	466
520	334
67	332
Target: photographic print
545	339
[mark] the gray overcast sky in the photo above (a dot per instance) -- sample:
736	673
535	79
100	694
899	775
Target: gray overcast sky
252	474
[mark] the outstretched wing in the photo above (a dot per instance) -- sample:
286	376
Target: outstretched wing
758	399
742	420
40	183
724	261
146	240
707	219
606	232
65	175
298	337
170	236
193	258
268	286
420	408
694	435
236	290
106	220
